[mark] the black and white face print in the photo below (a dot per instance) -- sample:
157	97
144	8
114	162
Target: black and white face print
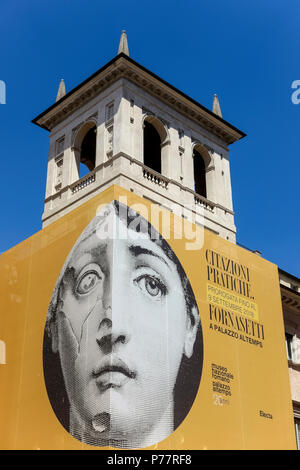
122	321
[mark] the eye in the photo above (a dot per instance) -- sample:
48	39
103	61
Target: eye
87	282
151	286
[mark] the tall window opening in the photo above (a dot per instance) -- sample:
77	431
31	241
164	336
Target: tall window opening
199	174
288	345
88	152
297	429
152	147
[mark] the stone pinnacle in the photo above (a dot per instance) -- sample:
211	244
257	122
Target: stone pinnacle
216	106
61	90
123	46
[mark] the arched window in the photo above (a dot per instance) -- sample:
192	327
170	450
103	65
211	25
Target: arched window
88	152
152	147
84	146
199	174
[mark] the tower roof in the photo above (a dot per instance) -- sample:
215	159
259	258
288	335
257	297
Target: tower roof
123	66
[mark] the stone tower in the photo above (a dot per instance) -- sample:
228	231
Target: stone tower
125	125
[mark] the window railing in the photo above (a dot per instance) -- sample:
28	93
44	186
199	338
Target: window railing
150	175
155	177
163	182
83	182
203	202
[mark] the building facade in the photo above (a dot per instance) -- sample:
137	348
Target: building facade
290	295
126	126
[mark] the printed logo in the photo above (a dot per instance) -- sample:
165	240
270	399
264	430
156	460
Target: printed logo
2	92
296	94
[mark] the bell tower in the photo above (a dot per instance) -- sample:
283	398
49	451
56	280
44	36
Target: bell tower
125	125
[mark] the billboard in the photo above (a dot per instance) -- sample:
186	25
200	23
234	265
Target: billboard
124	326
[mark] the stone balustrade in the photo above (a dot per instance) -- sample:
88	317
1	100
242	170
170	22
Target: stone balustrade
83	182
155	177
203	202
128	172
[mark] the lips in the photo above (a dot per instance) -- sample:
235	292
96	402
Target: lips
112	372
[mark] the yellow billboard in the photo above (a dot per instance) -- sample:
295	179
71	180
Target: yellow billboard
124	326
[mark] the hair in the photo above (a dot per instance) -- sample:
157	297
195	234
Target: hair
190	371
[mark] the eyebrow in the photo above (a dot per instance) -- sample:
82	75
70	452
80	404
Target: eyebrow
137	250
93	251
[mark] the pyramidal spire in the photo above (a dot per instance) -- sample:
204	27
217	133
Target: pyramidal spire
123	46
61	90
216	106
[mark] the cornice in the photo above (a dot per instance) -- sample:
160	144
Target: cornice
290	298
123	66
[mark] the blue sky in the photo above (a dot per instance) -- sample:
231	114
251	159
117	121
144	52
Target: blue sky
245	51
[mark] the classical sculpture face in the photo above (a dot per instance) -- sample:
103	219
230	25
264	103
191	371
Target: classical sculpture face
121	320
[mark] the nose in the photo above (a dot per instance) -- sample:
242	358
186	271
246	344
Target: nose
112	331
